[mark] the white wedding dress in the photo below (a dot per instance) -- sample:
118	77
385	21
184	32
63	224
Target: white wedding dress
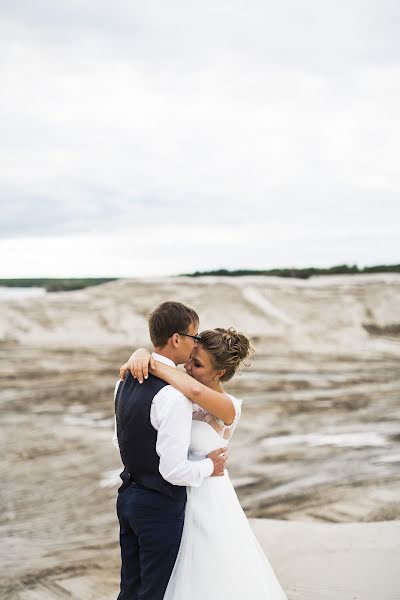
219	556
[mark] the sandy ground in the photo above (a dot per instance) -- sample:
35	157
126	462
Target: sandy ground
313	561
315	457
350	561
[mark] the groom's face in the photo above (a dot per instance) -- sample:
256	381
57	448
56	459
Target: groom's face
187	344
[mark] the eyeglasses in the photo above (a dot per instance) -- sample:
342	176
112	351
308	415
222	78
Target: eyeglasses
196	338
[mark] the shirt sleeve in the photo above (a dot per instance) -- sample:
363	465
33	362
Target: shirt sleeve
115	437
173	419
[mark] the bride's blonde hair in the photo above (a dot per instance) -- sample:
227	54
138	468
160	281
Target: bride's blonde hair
228	348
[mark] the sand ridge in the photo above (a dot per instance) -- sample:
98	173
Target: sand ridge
315	457
354	313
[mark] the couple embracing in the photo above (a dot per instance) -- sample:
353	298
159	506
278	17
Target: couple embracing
183	533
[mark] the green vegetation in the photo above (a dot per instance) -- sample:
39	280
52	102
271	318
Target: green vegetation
304	273
67	284
56	285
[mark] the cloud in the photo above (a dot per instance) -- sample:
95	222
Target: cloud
254	113
154	250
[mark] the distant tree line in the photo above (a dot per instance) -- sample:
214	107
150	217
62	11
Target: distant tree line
56	285
303	273
67	284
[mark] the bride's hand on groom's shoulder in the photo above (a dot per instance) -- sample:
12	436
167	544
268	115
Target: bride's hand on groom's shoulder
138	365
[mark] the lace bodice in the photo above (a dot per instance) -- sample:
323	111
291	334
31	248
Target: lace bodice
224	431
210	433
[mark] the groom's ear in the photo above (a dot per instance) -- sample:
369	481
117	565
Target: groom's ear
175	339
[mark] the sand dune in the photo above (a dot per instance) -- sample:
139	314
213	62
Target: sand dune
355	313
312	561
316	452
316	561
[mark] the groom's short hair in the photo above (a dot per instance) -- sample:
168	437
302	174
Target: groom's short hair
169	318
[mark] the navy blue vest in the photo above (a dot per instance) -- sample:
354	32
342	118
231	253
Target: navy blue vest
137	437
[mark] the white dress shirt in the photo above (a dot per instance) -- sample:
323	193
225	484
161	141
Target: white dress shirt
171	416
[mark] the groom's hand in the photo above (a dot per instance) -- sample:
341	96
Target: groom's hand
219	458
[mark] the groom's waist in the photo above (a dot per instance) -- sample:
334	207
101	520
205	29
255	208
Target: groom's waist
153	483
128	481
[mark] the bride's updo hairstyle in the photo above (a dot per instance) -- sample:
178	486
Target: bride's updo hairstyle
228	349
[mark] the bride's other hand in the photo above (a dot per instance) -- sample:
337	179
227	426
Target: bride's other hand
138	365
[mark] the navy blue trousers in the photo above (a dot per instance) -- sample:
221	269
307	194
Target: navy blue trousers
151	525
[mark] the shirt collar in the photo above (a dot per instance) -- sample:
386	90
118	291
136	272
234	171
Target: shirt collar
163	359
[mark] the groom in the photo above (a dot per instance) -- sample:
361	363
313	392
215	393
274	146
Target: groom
153	425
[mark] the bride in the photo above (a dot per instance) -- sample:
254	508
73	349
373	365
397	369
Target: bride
219	556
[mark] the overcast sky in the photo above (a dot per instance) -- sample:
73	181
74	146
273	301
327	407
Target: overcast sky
165	137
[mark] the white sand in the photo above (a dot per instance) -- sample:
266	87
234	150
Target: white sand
313	561
321	313
346	561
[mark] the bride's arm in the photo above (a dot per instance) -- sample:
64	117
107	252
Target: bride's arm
218	404
138	364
